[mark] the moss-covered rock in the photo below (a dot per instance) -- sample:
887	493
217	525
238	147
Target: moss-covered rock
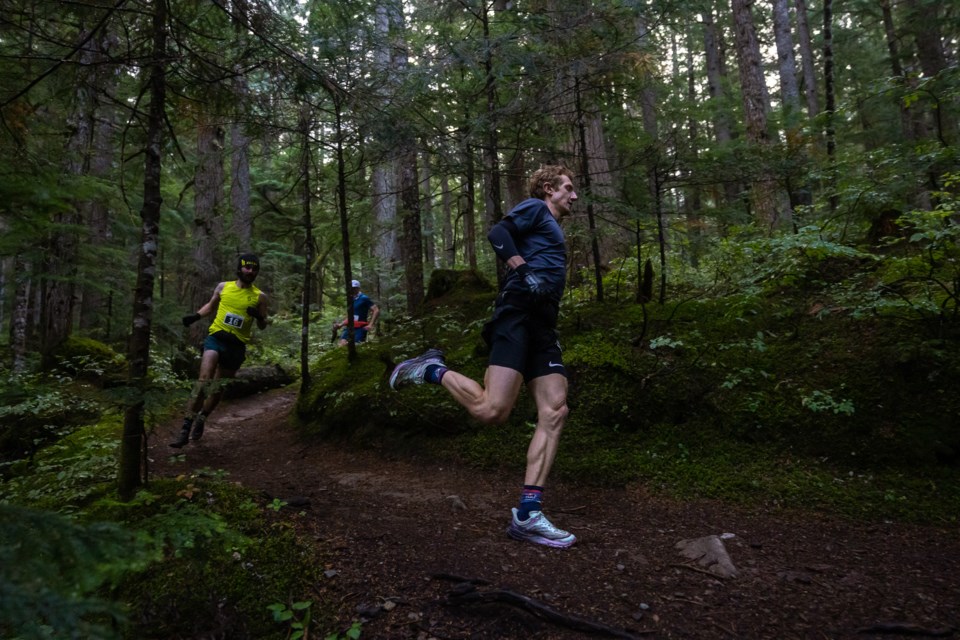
352	400
90	360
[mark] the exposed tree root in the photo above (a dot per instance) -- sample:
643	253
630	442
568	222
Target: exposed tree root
467	593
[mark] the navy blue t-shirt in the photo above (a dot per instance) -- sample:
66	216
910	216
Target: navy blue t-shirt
361	307
541	243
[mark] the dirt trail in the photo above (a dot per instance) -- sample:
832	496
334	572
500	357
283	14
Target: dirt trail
394	527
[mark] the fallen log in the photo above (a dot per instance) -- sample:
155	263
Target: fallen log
251	380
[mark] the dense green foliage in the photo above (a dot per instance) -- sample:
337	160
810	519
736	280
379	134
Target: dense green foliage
805	378
809	365
189	552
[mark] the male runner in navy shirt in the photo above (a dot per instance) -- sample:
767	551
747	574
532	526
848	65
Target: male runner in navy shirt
523	343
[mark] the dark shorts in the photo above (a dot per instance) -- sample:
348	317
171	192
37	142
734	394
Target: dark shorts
232	349
522	336
359	335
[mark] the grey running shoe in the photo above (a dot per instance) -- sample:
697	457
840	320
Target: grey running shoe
183	439
539	530
198	427
413	370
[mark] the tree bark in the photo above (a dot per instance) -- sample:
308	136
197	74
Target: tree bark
240	186
787	65
469	207
790	105
829	106
692	202
383	183
133	447
716	82
305	123
448	249
411	241
924	23
756	106
426	197
808	63
491	151
61	255
207	218
586	187
94	298
20	317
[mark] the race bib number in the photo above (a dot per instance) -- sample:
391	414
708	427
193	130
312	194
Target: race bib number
233	320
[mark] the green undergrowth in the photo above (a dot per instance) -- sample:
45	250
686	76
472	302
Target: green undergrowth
193	556
778	396
227	559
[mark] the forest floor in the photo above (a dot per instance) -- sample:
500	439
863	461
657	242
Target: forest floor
405	537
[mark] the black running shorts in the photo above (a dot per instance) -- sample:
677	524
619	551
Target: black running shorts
522	336
232	350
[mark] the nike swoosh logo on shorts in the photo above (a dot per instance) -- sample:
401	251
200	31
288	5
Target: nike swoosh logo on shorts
554	364
497	246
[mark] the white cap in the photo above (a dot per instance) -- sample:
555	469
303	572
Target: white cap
355	283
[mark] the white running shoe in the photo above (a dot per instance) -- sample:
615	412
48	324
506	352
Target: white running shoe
539	530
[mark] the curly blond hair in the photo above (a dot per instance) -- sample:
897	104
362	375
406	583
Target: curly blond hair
546	174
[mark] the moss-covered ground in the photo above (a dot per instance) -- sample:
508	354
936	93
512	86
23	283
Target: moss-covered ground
774	398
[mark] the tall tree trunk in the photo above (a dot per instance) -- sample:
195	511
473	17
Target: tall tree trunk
93	298
716	80
20	317
808	63
383	184
344	225
790	105
305	126
830	106
411	248
207	217
426	197
691	202
411	241
586	187
787	66
133	448
449	252
62	254
516	179
240	186
468	213
240	142
906	120
651	127
924	23
491	151
386	249
756	106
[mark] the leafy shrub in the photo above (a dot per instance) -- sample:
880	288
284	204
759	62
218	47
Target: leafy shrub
53	571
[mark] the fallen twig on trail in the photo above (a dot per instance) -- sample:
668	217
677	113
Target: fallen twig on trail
537	608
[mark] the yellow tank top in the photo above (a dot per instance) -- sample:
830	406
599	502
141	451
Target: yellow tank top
232	311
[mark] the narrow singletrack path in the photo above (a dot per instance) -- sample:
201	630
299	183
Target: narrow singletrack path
402	535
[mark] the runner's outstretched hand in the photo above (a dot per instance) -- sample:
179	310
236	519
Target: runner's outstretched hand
190	319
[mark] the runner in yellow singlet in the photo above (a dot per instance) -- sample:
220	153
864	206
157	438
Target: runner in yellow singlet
235	306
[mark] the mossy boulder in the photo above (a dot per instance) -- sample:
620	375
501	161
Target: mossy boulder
90	360
352	400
